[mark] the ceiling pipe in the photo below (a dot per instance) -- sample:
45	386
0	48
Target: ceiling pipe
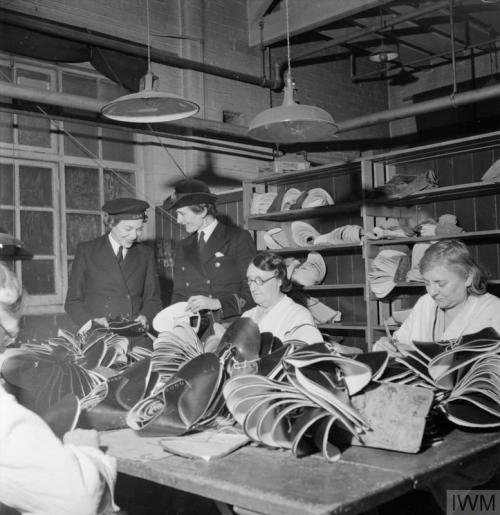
437	104
230	132
92	38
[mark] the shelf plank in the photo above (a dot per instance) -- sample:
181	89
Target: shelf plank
310	212
472	189
320	287
419	239
317	248
345	326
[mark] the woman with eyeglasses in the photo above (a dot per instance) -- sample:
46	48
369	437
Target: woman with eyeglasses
39	474
275	311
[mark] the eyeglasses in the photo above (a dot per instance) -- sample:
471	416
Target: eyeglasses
259	281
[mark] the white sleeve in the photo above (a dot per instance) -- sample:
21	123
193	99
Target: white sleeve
39	475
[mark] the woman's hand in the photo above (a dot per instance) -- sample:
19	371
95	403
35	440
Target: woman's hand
142	319
199	302
102	321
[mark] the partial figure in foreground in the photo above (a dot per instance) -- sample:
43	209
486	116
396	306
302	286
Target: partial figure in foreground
40	475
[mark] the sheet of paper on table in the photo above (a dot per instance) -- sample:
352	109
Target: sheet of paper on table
126	443
206	444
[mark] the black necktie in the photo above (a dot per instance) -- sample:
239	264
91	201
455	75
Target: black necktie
119	255
201	242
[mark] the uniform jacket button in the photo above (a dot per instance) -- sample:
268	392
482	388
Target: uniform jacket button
183	268
187	284
208	281
217	265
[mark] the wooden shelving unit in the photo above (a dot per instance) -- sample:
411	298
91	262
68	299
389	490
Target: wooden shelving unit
459	166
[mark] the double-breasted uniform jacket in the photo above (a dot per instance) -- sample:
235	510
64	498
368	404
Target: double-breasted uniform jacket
100	287
218	271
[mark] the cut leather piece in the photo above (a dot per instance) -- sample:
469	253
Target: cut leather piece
376	361
182	403
173	315
125	327
63	416
242	339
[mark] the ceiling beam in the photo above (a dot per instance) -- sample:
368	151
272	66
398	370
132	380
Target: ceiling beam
303	16
256	9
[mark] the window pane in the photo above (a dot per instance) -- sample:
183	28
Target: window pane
6	184
110	90
79	85
37	231
7	221
118	145
35	186
81	228
118	184
33	79
86	144
6	127
5	76
38	277
34	131
82	188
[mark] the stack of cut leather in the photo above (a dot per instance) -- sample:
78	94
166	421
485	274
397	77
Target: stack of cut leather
322	401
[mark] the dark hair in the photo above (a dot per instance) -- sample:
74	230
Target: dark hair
271	262
198	208
455	255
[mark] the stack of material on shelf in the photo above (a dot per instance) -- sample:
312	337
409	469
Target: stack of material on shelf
322	313
261	202
287	163
400	186
386	267
308	273
389	229
492	174
341	235
317	197
448	226
305	235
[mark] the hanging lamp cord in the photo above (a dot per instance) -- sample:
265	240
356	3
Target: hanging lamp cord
288	38
149	36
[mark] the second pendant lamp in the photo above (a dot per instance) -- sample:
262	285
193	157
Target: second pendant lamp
292	122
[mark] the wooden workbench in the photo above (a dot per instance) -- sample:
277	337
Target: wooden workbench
261	480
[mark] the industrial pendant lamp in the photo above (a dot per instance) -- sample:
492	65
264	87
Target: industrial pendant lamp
149	105
292	122
385	52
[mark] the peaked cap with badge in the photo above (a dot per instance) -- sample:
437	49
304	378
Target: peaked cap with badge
189	192
125	208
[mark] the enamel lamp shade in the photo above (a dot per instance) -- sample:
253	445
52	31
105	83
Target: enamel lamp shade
384	53
149	106
291	122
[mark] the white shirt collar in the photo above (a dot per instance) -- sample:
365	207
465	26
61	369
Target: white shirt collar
116	245
208	230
